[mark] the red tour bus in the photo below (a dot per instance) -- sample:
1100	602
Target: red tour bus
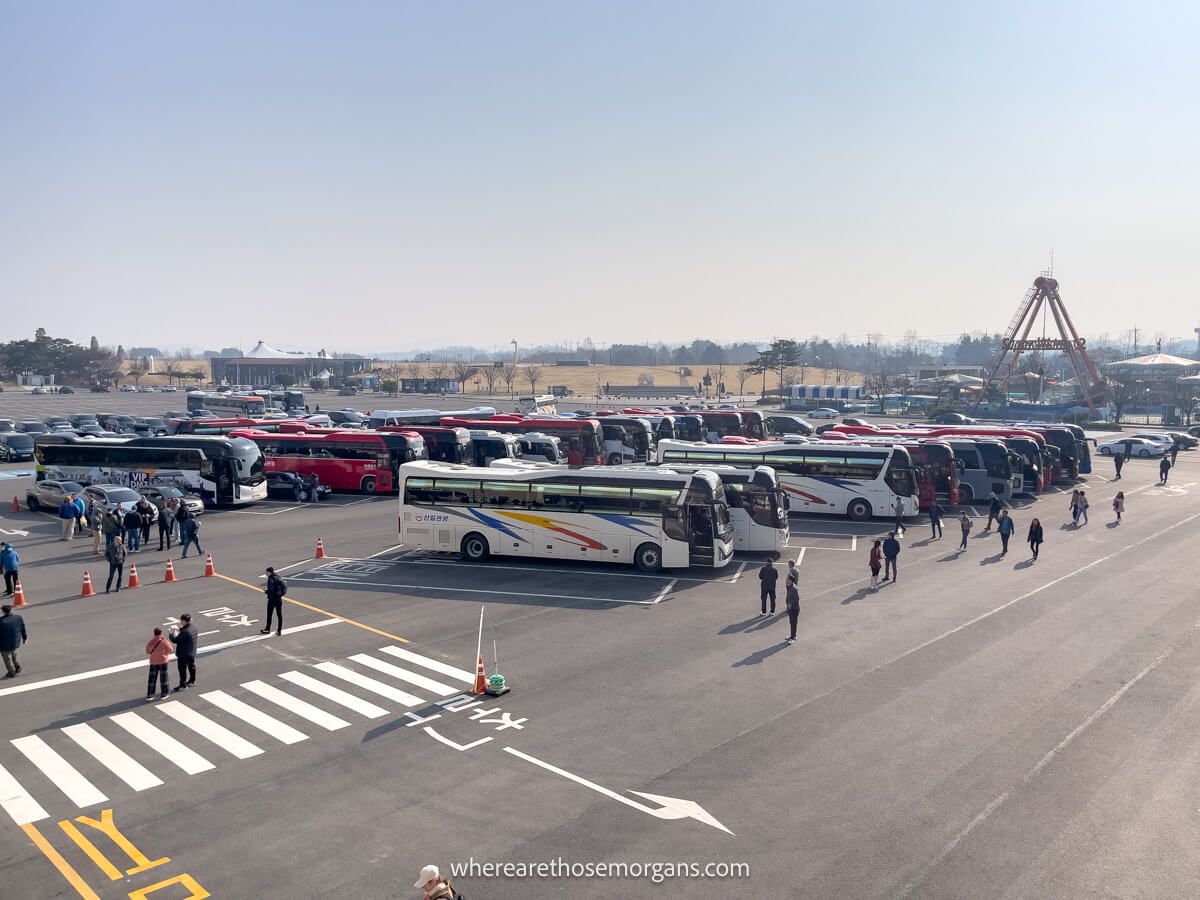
933	461
582	439
344	460
224	426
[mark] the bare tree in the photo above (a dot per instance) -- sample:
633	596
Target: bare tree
414	370
491	374
462	372
533	374
718	373
439	371
508	374
172	371
136	372
744	374
880	385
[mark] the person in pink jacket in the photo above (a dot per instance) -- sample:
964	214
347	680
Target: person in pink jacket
159	649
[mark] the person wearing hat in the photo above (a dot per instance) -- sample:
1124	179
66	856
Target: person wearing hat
276	589
434	886
186	639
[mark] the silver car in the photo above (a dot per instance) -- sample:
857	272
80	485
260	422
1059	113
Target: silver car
116	497
157	494
50	494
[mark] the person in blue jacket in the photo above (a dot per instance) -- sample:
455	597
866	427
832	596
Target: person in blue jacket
10	563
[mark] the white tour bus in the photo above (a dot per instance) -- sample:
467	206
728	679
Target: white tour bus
758	506
541	405
381	417
829	477
221	470
653	519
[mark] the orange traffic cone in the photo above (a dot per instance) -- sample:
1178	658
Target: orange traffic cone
87	590
170	576
19	596
16	507
134	581
209	568
480	677
320	549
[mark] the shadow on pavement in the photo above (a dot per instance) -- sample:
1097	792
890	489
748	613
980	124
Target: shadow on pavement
857	595
759	655
137	679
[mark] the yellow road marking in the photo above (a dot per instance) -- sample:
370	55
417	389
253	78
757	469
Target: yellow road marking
102	862
64	867
324	612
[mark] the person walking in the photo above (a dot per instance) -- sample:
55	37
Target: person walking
189	531
133	529
792	600
186	639
1035	537
276	590
182	514
899	508
1118	463
111	526
993	510
66	517
767	576
10	564
891	553
12	636
1119	505
1081	508
1174	453
159	649
1164	469
166	522
95	521
935	519
792	571
1005	528
1074	507
964	522
80	510
115	554
875	563
145	512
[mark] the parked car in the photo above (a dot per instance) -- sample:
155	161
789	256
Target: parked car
32	427
66	389
115	496
146	389
952	418
823	413
100	389
38	391
127	389
53	422
854	421
289	486
346	418
1156	437
156	493
15	446
84	419
788	423
7	425
1131	446
50	494
169	389
1183	441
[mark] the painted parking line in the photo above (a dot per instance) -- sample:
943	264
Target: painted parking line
141	663
455	563
462	590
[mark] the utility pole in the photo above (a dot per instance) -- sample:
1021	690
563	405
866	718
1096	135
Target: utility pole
1197	330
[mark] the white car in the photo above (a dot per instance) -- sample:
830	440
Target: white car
127	389
169	389
146	389
1157	437
1132	446
823	413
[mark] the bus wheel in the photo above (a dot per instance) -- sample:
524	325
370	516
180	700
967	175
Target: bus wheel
614	459
965	493
368	484
475	548
859	510
648	558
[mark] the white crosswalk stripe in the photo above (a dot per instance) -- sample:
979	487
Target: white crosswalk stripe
302	708
21	806
157	739
435	687
337	695
66	777
213	731
124	766
260	720
432	664
369	684
18	802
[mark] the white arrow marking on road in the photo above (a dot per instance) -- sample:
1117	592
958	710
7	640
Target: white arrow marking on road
15	531
669	807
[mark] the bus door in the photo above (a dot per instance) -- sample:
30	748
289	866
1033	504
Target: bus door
701	534
223	476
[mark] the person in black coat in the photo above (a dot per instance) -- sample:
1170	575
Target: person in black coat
276	590
12	636
1036	536
768	575
186	639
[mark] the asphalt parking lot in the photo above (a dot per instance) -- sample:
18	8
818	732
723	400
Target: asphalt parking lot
985	726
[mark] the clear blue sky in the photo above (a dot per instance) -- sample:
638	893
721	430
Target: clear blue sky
367	176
